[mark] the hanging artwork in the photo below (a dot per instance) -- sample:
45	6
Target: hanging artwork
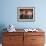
26	14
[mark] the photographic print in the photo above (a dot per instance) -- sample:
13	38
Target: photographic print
26	14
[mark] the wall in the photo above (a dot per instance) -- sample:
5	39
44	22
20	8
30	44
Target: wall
9	13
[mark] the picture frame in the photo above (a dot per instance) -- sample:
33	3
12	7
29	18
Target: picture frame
26	14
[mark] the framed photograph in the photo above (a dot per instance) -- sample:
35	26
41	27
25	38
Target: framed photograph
26	14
